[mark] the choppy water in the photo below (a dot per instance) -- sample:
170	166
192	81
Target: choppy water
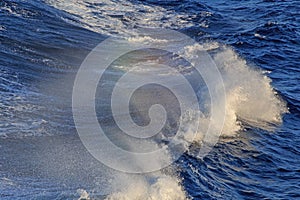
43	43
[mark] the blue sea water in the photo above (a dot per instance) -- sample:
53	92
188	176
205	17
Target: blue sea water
42	45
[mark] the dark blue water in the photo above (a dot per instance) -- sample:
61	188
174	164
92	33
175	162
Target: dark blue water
43	43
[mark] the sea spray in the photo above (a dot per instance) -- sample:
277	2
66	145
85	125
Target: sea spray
249	98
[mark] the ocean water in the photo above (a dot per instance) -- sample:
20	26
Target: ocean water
256	47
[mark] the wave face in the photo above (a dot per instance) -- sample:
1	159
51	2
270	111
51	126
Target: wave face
255	47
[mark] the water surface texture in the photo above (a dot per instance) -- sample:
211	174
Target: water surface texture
255	45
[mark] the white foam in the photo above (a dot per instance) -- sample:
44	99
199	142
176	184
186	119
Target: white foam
249	94
249	97
120	17
146	39
84	195
259	36
156	187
